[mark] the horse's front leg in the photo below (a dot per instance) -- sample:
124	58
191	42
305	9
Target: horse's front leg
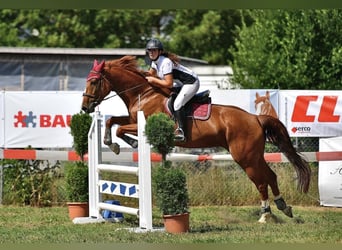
122	132
107	140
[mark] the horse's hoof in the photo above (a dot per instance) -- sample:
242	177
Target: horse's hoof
265	217
135	144
107	142
281	204
288	211
115	148
107	138
269	217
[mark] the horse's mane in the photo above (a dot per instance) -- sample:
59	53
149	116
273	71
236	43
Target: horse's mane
127	62
131	64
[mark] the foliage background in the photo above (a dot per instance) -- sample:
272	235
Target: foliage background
290	49
267	48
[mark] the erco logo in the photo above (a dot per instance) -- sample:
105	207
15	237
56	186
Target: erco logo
301	129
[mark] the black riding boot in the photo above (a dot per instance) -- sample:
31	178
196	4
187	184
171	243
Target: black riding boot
180	117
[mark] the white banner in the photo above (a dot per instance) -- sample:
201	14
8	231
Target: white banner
2	119
314	113
244	98
41	119
330	174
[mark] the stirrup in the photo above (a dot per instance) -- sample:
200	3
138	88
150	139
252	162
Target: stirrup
179	135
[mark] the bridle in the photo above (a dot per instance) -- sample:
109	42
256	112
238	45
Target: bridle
99	84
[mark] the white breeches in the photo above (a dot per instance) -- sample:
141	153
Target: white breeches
186	93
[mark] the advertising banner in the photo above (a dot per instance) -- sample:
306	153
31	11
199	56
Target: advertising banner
254	101
2	118
330	174
41	119
311	113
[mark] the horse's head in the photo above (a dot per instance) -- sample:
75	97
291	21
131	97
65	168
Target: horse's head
260	101
263	105
96	88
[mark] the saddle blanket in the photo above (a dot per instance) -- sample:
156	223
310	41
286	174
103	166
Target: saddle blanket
200	111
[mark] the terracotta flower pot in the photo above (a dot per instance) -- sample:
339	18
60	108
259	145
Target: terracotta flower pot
178	223
78	209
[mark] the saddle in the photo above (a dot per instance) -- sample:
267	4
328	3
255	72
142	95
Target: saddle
199	106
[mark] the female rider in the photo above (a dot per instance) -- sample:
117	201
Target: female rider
170	73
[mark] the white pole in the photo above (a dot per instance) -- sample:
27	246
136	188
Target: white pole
94	156
145	189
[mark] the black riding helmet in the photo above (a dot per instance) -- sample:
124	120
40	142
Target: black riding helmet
154	43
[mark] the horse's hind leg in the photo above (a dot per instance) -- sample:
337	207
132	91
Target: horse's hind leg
262	177
278	199
258	177
271	179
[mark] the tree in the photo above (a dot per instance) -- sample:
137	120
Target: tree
289	49
202	34
78	28
206	34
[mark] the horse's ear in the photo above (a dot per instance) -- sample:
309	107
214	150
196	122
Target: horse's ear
98	66
101	64
267	94
257	95
95	63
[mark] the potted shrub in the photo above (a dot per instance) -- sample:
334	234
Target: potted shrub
171	191
76	173
76	176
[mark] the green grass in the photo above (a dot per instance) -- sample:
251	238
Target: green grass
209	224
227	184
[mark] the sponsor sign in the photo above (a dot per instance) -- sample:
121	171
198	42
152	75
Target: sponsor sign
330	174
245	98
41	119
311	113
2	119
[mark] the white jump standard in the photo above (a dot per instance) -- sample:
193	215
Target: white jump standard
97	186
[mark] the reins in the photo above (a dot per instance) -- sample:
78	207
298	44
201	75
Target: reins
103	77
121	92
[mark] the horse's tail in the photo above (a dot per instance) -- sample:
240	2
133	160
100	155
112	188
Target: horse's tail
277	134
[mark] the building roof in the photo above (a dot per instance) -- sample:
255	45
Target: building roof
87	52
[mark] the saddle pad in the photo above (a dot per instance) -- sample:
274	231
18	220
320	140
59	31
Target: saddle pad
200	111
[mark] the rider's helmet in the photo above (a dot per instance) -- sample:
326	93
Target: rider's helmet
154	43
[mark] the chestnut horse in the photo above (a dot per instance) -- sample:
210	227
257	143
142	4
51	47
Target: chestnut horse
243	134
